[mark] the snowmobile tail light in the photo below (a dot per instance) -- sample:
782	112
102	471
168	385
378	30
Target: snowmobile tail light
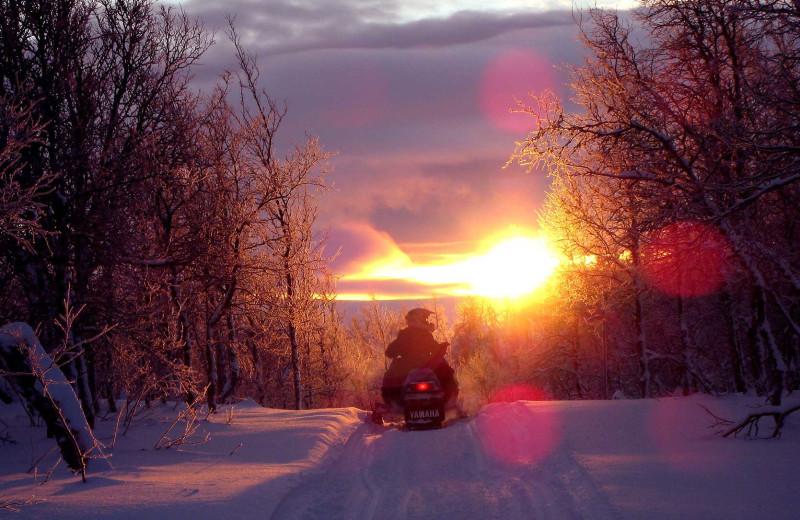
421	387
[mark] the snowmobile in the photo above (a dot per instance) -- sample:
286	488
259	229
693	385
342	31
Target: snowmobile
422	402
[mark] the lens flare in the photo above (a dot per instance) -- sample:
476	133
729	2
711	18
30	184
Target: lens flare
519	433
509	77
686	259
519	392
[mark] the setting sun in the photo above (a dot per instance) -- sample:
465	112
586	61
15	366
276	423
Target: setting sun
513	268
502	267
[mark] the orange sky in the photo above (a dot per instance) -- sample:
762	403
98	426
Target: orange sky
510	264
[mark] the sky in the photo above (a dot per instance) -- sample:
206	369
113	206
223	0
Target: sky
414	97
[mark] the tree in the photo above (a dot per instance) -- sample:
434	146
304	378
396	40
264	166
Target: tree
683	118
20	208
171	216
600	224
106	81
37	378
266	256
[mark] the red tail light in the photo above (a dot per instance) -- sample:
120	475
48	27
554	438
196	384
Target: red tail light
421	387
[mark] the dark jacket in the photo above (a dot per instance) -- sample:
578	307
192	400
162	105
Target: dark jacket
413	348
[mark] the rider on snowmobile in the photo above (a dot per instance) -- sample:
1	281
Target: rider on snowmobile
414	348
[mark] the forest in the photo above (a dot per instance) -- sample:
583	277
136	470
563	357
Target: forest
166	248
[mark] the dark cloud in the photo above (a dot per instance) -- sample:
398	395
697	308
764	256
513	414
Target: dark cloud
281	26
461	28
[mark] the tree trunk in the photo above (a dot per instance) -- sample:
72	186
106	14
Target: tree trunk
576	365
738	360
641	344
231	369
182	336
211	369
43	386
82	384
689	372
211	323
298	389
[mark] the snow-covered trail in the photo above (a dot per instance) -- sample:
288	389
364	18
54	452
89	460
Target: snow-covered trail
650	459
456	472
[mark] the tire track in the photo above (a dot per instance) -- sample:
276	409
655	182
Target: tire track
336	490
556	476
449	473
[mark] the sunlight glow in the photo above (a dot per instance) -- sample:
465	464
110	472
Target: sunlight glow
505	267
512	268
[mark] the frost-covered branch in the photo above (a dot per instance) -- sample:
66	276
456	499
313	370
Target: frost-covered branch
189	417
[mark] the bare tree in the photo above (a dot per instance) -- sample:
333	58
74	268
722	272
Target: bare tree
169	213
37	377
683	118
20	205
108	83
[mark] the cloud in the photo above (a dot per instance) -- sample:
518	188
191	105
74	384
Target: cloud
370	262
370	185
460	28
393	289
435	199
360	246
280	26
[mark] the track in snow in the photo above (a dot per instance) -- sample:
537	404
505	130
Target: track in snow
449	473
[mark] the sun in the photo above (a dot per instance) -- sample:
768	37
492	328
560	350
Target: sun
505	267
514	267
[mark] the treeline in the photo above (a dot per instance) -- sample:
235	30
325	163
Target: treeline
155	234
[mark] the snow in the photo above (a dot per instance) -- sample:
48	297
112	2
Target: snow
50	381
651	459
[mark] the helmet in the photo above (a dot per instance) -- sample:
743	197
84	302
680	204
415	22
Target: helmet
419	318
